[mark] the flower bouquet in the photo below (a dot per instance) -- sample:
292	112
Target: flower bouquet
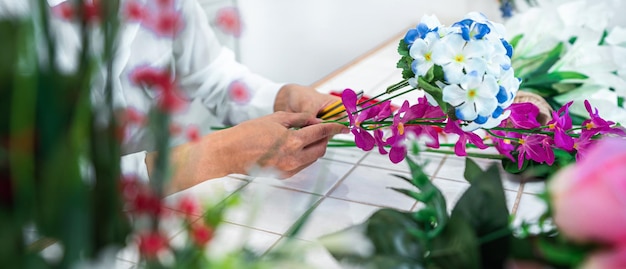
469	90
470	85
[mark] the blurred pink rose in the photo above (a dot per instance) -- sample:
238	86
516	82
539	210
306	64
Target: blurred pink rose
607	259
589	197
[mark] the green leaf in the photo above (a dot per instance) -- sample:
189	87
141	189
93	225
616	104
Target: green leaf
456	246
515	40
437	201
403	48
434	91
551	58
483	206
551	78
394	245
472	170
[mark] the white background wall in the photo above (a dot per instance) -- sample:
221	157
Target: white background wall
304	40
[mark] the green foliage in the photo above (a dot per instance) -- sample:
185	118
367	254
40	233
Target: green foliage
515	40
483	206
405	60
475	235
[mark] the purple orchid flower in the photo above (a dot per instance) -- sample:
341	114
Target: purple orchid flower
524	115
403	115
582	145
505	146
452	127
596	124
400	128
362	138
560	124
536	147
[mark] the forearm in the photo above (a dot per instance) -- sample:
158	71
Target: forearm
195	162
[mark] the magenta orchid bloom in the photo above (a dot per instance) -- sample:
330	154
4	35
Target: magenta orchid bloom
596	124
505	146
363	139
560	124
536	147
452	127
524	115
582	145
398	148
400	128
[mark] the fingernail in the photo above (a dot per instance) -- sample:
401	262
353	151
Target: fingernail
345	131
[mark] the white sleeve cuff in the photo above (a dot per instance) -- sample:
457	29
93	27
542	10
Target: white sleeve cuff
134	164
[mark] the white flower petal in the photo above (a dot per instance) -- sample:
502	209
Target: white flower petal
454	95
476	49
467	110
485	105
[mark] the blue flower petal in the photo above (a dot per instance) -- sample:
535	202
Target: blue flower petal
481	119
464	23
482	30
459	114
422	30
496	113
414	66
465	33
502	95
508	47
410	36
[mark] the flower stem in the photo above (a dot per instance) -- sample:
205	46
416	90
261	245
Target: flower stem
469	154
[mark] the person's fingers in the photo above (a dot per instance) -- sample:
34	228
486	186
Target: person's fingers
313	133
297	120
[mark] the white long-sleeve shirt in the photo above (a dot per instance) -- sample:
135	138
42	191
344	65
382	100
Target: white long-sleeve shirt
204	70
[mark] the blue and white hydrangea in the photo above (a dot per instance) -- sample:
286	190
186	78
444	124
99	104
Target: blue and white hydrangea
478	80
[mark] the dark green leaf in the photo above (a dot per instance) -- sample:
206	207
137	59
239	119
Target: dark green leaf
456	246
403	48
421	181
395	246
472	170
483	206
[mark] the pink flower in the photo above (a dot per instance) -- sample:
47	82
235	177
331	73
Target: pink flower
151	244
536	147
606	259
589	198
452	127
596	124
67	11
362	138
166	23
229	21
560	124
201	234
169	99
188	206
239	92
401	127
64	10
134	11
524	115
582	145
193	133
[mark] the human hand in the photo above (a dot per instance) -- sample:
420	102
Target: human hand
276	144
302	99
287	142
